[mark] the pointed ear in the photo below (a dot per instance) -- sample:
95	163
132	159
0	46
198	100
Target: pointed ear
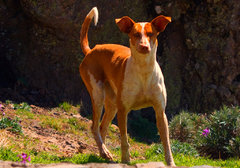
160	22
125	24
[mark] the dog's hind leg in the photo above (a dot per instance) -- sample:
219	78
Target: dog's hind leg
109	114
97	97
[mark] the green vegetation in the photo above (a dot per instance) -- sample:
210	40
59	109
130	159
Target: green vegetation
152	154
185	154
223	140
12	125
25	114
177	147
216	135
76	124
65	106
52	122
8	154
22	106
199	138
46	158
185	126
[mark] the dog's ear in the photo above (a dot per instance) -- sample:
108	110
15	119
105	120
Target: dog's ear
125	24
160	22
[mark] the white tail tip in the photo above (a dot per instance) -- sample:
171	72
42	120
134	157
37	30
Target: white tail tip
94	13
95	10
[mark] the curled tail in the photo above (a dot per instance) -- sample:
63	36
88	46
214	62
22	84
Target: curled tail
84	30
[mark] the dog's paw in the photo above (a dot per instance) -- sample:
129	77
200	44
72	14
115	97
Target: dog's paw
105	153
126	157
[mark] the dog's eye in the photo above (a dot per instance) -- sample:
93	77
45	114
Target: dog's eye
137	35
149	34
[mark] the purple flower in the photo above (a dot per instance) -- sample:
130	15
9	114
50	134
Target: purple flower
29	159
24	155
1	106
24	158
206	132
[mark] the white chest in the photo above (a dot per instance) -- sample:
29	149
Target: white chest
141	85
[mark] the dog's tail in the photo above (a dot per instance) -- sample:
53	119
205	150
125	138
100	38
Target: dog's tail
84	30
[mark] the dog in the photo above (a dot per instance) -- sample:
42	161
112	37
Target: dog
123	79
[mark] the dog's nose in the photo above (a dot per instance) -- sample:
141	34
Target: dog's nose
144	48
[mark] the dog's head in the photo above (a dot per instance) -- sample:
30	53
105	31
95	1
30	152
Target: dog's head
143	35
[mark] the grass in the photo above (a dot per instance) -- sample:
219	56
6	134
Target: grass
180	159
76	124
184	154
55	123
68	108
189	160
46	158
8	154
65	106
25	114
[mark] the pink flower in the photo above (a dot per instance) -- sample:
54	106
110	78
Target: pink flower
206	132
24	158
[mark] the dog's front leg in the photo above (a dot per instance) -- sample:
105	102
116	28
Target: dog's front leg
122	124
162	125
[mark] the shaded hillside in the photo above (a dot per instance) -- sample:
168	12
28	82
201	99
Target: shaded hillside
199	52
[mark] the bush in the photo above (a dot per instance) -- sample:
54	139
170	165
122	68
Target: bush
223	140
184	127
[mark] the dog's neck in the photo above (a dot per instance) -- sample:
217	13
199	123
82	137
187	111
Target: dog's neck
147	61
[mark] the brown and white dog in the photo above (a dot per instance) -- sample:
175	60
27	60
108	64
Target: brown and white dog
124	79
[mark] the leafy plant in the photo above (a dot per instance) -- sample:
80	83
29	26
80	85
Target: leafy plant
12	125
184	127
223	139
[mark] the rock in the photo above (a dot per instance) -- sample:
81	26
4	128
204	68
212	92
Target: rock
204	166
150	165
8	164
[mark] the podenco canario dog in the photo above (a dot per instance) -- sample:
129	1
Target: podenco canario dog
125	79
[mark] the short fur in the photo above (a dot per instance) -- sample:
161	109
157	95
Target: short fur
124	79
